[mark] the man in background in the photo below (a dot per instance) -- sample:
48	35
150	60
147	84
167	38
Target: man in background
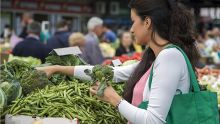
60	37
27	18
92	50
31	46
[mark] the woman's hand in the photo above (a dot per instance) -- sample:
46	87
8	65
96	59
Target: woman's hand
110	95
49	70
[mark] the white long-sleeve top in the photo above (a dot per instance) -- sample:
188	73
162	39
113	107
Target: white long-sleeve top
170	74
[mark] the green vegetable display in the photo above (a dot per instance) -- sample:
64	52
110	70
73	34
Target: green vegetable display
70	100
10	74
103	74
59	96
18	77
31	60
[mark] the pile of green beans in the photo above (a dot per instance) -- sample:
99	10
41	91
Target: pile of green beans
69	100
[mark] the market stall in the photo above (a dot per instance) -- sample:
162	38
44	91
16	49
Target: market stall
28	93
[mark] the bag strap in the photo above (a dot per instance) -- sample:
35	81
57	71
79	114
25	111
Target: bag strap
193	79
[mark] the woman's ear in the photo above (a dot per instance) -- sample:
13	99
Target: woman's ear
147	23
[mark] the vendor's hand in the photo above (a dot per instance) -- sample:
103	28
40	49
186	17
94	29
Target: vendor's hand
49	70
110	95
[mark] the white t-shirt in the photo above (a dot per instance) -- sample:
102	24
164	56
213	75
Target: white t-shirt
170	73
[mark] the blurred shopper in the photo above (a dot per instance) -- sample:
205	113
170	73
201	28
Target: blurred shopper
14	40
60	37
78	39
7	32
216	33
31	46
200	44
27	18
210	42
93	53
109	36
126	45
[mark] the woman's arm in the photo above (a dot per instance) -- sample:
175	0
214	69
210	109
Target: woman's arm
49	70
120	73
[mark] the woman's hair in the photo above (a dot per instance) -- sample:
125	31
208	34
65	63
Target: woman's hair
171	21
75	38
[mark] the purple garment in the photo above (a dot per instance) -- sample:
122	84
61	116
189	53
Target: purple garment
14	40
92	53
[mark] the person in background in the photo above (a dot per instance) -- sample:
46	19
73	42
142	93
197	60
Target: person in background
78	39
109	36
126	45
216	33
210	42
7	32
27	18
92	50
70	25
199	41
31	46
44	36
200	44
14	40
60	37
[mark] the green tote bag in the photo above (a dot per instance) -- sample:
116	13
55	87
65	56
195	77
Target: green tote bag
195	107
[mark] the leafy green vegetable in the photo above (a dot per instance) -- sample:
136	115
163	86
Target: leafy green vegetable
31	60
11	73
32	80
14	69
3	99
11	90
18	73
58	78
103	74
66	60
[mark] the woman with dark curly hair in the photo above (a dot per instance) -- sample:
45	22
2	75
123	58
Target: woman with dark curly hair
156	23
